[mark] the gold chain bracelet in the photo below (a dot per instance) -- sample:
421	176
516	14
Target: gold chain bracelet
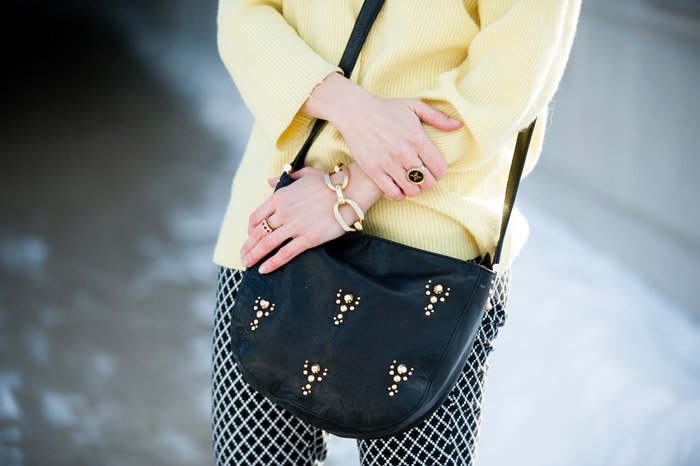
342	200
337	169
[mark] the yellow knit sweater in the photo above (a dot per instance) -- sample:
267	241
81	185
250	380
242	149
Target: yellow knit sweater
493	64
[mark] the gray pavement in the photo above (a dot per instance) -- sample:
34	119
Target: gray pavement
111	197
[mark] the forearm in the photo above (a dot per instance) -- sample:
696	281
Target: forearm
272	66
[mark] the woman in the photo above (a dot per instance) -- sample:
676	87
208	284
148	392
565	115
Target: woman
442	85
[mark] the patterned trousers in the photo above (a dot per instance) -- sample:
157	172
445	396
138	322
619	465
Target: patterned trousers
249	430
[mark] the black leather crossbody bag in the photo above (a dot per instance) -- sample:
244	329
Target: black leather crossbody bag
362	336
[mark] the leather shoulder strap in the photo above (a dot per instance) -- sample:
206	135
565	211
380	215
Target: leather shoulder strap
516	171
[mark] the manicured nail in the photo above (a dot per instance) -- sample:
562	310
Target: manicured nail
262	269
454	121
244	261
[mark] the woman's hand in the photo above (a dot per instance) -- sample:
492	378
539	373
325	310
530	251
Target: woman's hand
385	136
303	211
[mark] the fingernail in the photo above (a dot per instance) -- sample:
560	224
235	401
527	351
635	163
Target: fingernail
262	269
244	261
454	121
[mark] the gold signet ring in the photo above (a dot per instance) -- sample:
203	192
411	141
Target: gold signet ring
267	226
416	175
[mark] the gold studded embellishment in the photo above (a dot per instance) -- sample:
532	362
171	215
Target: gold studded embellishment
313	374
436	293
489	306
345	302
262	308
399	373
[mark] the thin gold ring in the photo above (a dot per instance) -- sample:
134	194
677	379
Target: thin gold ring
267	226
416	175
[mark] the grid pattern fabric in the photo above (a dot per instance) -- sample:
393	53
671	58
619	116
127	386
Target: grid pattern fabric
250	430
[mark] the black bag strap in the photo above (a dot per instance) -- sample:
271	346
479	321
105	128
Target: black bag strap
516	170
363	23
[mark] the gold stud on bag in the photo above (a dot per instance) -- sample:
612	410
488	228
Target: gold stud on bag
346	302
489	306
436	294
399	373
262	308
313	374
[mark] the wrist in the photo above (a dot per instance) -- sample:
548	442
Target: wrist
332	99
360	189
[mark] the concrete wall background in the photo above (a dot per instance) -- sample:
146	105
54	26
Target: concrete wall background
620	162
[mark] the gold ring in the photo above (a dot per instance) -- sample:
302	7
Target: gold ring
416	175
267	226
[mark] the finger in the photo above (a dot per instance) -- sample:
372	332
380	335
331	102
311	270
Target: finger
265	209
387	185
432	158
435	117
258	232
273	181
398	173
266	244
285	254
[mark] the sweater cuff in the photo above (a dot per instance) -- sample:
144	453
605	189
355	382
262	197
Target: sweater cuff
286	124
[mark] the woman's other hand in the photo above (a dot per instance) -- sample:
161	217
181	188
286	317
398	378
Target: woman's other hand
303	211
385	136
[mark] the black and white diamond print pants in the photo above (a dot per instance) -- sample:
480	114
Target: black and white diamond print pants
249	430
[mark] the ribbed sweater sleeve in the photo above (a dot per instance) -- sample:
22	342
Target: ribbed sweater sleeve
273	68
512	70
